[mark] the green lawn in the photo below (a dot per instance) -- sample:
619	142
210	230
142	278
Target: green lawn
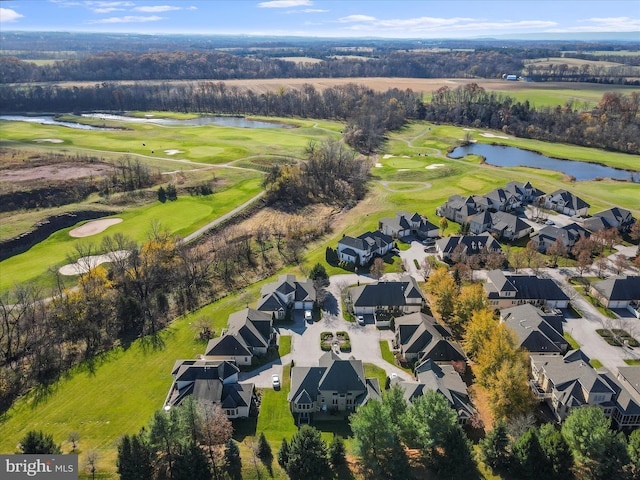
572	343
284	347
181	217
387	355
632	361
595	363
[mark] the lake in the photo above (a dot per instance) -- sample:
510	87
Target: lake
502	156
236	122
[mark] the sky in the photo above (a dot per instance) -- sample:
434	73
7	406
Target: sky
325	18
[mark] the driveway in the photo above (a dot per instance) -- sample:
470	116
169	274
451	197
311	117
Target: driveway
414	254
305	337
583	330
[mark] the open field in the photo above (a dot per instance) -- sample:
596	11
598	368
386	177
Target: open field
34	264
202	144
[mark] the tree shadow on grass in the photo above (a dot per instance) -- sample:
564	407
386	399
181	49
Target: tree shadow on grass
152	342
244	427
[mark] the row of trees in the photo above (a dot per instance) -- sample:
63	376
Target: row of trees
585	447
614	124
106	66
192	442
383	430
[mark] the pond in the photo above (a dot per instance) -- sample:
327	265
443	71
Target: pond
50	120
236	122
502	156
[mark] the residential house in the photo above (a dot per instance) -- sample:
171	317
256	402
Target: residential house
287	293
506	291
211	381
568	235
628	399
537	331
405	224
443	379
249	333
619	292
568	382
362	249
615	217
420	337
502	224
459	209
525	192
567	203
469	245
502	200
230	348
395	297
335	385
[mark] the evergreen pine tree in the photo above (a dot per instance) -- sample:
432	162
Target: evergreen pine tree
263	450
39	442
494	448
162	194
337	453
232	460
283	454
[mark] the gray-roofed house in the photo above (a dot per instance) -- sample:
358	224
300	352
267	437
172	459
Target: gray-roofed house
335	385
459	209
615	217
627	416
277	298
420	337
395	297
568	382
503	224
567	234
228	347
567	203
405	224
255	328
502	200
525	192
506	291
471	245
619	292
211	381
363	248
537	331
442	379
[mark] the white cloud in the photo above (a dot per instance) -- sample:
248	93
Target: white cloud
107	10
356	18
156	9
285	3
308	10
7	15
129	19
611	24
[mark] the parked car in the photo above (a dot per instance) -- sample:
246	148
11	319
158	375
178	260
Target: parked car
275	381
549	222
360	319
307	316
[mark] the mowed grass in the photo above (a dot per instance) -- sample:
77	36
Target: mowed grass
117	393
210	144
181	217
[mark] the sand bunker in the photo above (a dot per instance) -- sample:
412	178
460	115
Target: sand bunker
84	264
491	135
433	166
93	227
173	152
49	140
388	155
378	165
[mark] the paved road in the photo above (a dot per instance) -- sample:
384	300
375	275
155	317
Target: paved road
217	221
